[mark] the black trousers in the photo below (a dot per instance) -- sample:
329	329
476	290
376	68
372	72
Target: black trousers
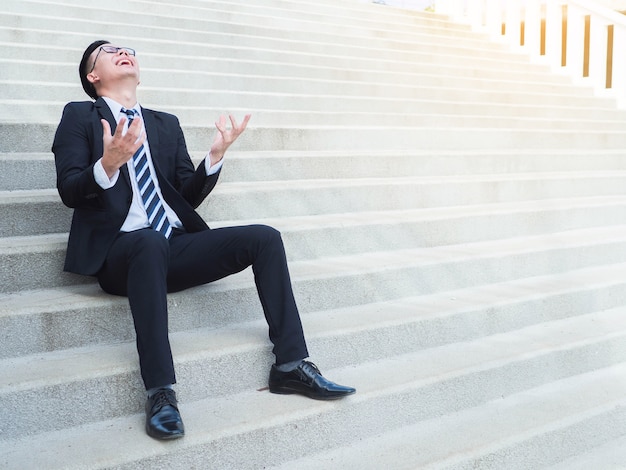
144	266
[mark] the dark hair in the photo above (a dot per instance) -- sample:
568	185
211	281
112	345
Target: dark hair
82	72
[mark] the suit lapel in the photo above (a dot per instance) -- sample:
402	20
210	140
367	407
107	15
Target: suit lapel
105	113
152	135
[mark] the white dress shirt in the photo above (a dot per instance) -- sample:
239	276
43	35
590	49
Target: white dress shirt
137	217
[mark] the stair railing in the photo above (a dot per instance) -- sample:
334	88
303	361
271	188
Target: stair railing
580	38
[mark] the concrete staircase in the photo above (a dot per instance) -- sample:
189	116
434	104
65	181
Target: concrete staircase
455	218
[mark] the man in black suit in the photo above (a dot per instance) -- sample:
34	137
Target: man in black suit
126	172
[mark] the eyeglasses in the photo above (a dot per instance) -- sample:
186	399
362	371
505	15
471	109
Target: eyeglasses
111	50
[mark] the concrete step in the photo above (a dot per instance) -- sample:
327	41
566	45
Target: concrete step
41	211
312	197
32	262
498	120
288	78
494	116
20	171
196	45
37	137
328	58
46	320
276	165
281	94
63	69
302	19
312	37
325	57
450	289
291	118
611	454
224	35
427	382
33	212
336	13
27	171
36	262
529	429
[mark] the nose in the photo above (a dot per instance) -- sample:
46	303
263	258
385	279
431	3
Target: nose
122	52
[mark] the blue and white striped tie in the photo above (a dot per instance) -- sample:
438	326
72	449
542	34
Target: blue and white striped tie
151	200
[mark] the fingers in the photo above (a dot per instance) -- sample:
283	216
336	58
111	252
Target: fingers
122	145
246	118
220	124
134	136
236	129
225	137
134	132
239	129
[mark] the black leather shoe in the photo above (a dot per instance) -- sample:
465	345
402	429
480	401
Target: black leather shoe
163	420
306	379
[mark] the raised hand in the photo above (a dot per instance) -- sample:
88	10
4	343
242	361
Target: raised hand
225	137
120	147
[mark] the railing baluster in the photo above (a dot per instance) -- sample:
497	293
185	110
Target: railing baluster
578	37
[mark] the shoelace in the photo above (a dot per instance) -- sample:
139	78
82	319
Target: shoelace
163	398
309	369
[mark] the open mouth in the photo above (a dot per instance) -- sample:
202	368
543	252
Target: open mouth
125	62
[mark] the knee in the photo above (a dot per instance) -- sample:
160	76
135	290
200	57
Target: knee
264	237
268	234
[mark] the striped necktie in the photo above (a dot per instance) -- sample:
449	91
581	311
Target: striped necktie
151	200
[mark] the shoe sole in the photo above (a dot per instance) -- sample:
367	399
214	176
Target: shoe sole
166	437
288	391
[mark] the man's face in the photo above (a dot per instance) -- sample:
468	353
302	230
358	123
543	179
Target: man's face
109	63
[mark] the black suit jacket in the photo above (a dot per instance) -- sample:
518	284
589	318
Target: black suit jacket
98	213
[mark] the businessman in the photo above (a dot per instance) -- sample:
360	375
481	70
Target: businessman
126	172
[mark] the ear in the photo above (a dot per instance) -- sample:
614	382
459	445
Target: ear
93	78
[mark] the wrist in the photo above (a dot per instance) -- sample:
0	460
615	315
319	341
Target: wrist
215	158
109	169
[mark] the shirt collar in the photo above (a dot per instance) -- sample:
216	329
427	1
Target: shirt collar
116	108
